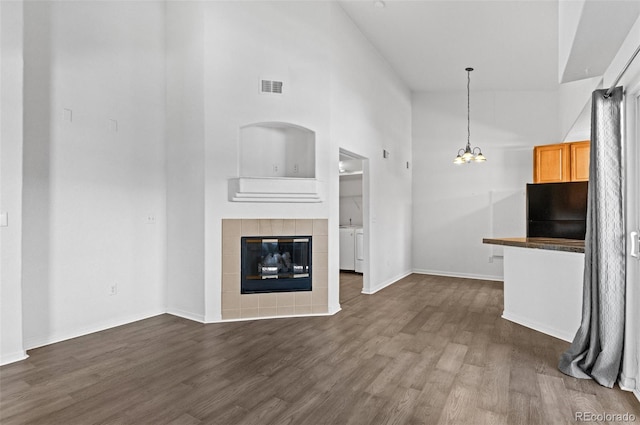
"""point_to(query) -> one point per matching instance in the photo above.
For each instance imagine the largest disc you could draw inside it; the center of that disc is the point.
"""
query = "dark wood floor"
(350, 286)
(426, 350)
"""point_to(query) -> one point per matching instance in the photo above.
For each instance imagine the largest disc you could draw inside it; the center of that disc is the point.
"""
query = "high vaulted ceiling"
(513, 45)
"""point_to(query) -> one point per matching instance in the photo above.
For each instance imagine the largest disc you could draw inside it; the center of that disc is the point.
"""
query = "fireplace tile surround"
(241, 306)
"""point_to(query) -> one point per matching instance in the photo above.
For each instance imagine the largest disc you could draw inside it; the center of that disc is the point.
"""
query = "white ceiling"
(513, 45)
(602, 28)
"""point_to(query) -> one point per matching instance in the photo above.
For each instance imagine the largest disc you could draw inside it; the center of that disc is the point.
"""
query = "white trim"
(289, 316)
(213, 318)
(186, 315)
(627, 383)
(334, 309)
(461, 275)
(387, 283)
(531, 324)
(42, 340)
(13, 357)
(274, 189)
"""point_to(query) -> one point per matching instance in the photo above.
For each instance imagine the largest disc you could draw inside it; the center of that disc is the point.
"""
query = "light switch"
(68, 115)
(113, 125)
(4, 219)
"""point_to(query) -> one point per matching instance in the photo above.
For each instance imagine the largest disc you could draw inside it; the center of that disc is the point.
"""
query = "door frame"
(630, 379)
(366, 215)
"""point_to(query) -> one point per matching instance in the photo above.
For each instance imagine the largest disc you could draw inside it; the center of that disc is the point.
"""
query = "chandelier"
(469, 154)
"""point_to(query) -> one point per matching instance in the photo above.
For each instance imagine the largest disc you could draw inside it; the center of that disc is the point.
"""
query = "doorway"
(632, 152)
(354, 233)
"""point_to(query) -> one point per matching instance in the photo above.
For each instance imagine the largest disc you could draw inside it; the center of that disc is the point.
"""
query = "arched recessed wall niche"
(277, 149)
(277, 163)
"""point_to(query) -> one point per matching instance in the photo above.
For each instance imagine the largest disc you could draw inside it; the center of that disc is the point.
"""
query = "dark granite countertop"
(552, 244)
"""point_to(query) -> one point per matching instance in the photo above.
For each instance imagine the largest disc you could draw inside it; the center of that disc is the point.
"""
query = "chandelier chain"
(467, 154)
(468, 108)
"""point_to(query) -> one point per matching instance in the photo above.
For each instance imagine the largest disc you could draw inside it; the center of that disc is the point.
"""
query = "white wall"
(575, 108)
(276, 150)
(185, 158)
(569, 13)
(452, 207)
(93, 166)
(543, 290)
(371, 111)
(11, 137)
(351, 200)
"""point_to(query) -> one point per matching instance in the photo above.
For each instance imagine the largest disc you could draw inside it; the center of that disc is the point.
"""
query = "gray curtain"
(596, 351)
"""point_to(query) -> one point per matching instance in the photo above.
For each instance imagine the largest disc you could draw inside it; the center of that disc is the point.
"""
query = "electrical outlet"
(275, 168)
(113, 289)
(491, 258)
(296, 169)
(67, 115)
(151, 219)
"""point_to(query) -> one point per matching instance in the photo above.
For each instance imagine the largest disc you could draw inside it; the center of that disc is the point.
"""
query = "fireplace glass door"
(276, 264)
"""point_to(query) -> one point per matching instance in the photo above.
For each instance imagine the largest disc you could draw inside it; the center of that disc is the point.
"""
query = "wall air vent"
(270, 86)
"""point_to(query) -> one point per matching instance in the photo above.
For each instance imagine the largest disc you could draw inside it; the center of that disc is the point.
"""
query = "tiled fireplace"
(236, 305)
(275, 264)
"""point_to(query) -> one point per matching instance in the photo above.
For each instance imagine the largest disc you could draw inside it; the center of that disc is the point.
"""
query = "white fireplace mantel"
(273, 189)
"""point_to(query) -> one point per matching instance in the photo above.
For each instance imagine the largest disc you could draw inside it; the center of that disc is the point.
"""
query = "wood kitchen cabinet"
(561, 162)
(551, 163)
(579, 156)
